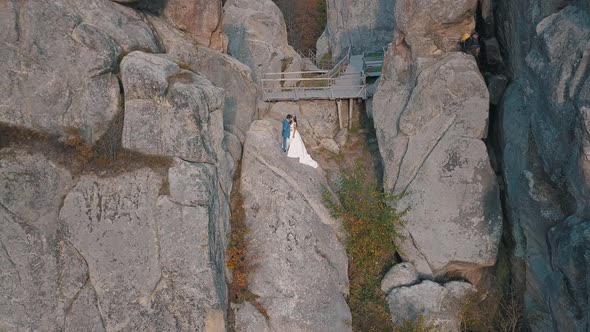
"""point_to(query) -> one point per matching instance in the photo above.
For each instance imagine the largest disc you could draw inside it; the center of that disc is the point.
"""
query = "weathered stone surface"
(224, 71)
(402, 274)
(231, 143)
(438, 304)
(41, 273)
(170, 111)
(151, 261)
(496, 86)
(58, 75)
(341, 137)
(202, 19)
(258, 37)
(366, 25)
(330, 145)
(543, 123)
(433, 28)
(291, 234)
(317, 120)
(430, 130)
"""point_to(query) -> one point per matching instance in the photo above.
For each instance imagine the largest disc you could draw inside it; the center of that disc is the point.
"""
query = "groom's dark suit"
(286, 133)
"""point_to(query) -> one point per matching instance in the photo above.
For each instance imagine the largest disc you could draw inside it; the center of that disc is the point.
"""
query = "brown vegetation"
(305, 20)
(371, 227)
(105, 158)
(236, 257)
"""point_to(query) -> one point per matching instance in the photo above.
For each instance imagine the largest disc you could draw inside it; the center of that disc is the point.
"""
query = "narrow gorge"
(143, 186)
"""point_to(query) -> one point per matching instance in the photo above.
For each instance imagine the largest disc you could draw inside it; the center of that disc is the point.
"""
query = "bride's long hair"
(295, 119)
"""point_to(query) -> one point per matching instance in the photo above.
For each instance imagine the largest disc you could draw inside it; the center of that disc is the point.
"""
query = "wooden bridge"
(346, 80)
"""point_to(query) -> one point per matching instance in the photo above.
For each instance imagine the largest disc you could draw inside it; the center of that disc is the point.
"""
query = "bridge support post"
(339, 107)
(350, 114)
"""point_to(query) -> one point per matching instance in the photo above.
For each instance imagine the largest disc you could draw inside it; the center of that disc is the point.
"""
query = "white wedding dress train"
(297, 150)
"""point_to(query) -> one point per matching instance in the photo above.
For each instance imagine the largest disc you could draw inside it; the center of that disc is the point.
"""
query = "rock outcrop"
(139, 248)
(162, 115)
(202, 19)
(258, 37)
(59, 74)
(301, 267)
(543, 136)
(431, 112)
(439, 305)
(224, 71)
(364, 25)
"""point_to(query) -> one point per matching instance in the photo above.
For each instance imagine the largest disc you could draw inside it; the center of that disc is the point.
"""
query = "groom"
(286, 131)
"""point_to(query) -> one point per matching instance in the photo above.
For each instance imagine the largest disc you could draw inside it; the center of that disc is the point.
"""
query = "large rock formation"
(301, 267)
(138, 249)
(224, 71)
(431, 116)
(364, 25)
(543, 133)
(431, 111)
(58, 74)
(258, 37)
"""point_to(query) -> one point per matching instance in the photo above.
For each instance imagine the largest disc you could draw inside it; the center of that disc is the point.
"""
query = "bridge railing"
(347, 85)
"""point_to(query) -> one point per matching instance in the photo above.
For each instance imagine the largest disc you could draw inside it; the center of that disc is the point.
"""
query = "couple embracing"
(293, 144)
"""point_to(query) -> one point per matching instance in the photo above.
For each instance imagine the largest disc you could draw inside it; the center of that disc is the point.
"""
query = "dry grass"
(237, 257)
(371, 227)
(106, 158)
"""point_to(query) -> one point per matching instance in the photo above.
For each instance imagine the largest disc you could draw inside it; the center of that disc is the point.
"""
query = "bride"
(297, 148)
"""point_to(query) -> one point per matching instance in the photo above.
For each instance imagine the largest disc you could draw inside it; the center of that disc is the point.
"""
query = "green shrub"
(371, 226)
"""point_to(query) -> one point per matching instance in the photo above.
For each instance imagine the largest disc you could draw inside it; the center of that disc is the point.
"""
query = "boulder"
(224, 71)
(170, 111)
(402, 274)
(439, 305)
(430, 130)
(329, 144)
(58, 76)
(365, 25)
(258, 37)
(341, 137)
(202, 19)
(291, 233)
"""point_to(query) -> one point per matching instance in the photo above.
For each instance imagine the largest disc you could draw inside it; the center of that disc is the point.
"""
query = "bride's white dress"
(297, 150)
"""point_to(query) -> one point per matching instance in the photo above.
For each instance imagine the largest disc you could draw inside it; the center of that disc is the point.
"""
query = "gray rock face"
(151, 259)
(430, 130)
(318, 120)
(543, 123)
(433, 27)
(402, 274)
(170, 111)
(224, 71)
(258, 37)
(202, 19)
(41, 272)
(48, 89)
(438, 304)
(366, 25)
(301, 267)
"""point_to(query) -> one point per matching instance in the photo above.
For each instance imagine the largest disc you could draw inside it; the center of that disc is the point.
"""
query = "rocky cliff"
(363, 25)
(542, 130)
(94, 241)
